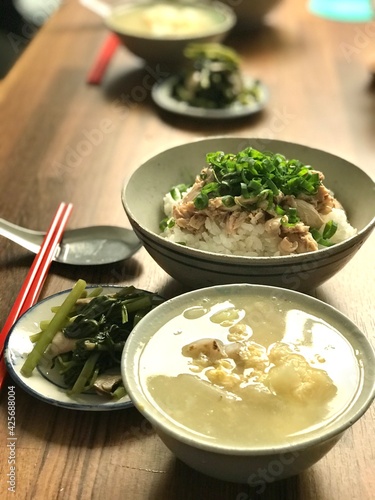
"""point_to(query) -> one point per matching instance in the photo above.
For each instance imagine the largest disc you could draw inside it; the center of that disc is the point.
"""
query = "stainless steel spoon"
(86, 246)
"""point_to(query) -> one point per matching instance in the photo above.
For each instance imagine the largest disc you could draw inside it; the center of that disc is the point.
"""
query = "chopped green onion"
(250, 172)
(166, 223)
(228, 201)
(177, 191)
(329, 229)
(272, 186)
(244, 191)
(279, 210)
(255, 185)
(201, 201)
(210, 188)
(319, 238)
(292, 216)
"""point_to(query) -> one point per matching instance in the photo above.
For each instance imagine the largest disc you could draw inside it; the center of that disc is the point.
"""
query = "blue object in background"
(343, 10)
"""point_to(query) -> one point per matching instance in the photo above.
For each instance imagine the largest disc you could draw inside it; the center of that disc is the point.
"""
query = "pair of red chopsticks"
(32, 286)
(96, 73)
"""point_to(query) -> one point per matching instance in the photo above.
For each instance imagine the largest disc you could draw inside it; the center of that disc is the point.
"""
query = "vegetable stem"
(56, 323)
(119, 393)
(86, 374)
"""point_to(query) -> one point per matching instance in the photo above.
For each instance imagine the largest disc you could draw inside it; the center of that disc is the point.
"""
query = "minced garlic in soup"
(249, 373)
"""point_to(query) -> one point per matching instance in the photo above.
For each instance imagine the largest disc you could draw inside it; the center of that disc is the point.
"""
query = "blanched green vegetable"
(101, 328)
(212, 78)
(57, 322)
(97, 328)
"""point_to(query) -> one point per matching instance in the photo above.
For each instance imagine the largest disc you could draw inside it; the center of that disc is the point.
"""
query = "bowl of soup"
(159, 30)
(236, 378)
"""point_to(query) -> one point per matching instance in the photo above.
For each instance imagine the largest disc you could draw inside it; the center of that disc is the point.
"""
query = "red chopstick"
(35, 278)
(96, 73)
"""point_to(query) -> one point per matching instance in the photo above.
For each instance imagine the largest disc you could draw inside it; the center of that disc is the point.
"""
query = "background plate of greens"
(162, 95)
(46, 383)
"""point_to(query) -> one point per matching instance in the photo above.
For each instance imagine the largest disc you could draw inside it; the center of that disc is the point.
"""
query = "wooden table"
(63, 140)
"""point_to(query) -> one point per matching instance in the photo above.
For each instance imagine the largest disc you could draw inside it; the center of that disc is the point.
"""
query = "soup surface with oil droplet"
(249, 373)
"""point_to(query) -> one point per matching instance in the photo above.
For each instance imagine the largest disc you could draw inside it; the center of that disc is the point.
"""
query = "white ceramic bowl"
(197, 268)
(164, 47)
(242, 463)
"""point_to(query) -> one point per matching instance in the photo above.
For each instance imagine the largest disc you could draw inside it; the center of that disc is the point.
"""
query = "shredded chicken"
(286, 246)
(323, 200)
(59, 345)
(234, 221)
(203, 178)
(305, 211)
(272, 226)
(295, 239)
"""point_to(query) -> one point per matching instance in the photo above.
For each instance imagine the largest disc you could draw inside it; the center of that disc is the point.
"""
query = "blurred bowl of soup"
(241, 378)
(159, 30)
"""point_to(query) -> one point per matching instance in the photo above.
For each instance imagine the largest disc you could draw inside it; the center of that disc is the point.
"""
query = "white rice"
(344, 229)
(250, 239)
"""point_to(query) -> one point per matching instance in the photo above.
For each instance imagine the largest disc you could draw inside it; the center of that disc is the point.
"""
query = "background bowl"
(242, 464)
(168, 49)
(251, 13)
(197, 268)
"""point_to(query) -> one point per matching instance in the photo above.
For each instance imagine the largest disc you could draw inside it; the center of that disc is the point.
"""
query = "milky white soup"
(246, 372)
(165, 20)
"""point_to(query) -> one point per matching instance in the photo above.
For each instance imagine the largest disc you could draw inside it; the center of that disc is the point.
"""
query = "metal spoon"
(86, 246)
